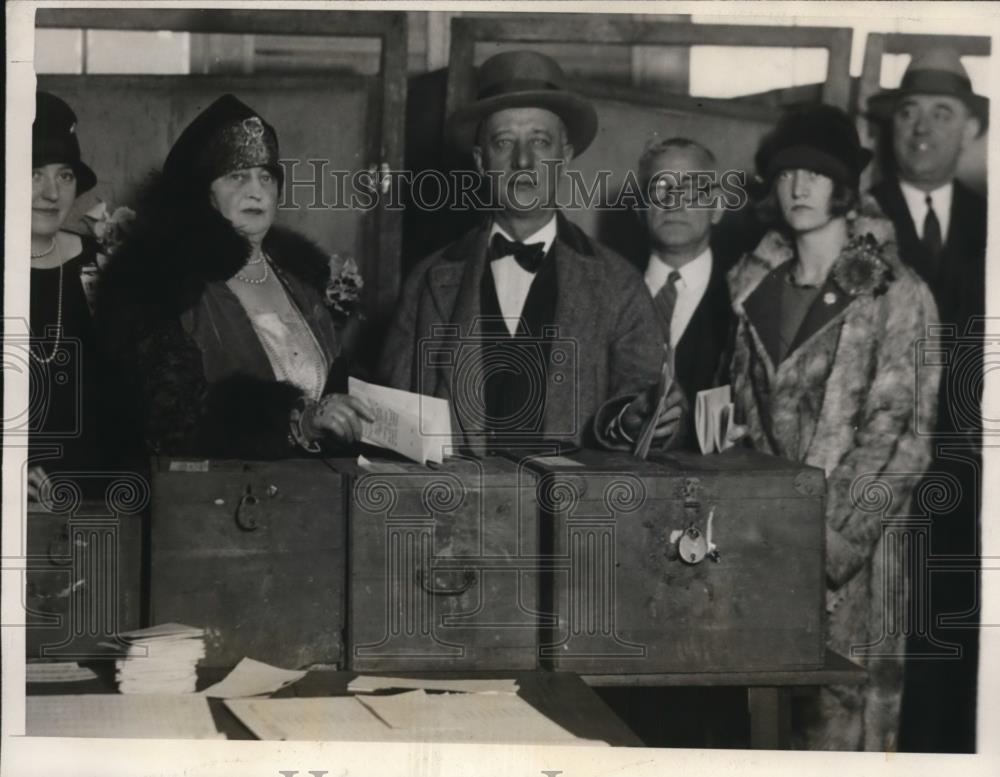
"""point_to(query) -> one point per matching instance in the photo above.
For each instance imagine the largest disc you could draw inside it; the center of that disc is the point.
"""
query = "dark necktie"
(932, 232)
(665, 301)
(529, 256)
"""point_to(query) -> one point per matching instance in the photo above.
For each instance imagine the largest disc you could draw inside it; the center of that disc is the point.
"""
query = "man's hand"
(634, 416)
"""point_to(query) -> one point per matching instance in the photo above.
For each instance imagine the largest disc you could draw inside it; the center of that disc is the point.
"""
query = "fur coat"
(159, 294)
(852, 398)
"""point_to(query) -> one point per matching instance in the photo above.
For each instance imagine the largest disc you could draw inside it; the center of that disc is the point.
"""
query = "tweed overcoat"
(853, 398)
(606, 342)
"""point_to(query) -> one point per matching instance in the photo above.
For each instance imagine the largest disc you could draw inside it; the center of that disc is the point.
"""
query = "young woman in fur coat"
(216, 320)
(825, 372)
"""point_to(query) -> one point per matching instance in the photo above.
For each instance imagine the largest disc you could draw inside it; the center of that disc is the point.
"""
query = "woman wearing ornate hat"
(824, 372)
(63, 380)
(215, 318)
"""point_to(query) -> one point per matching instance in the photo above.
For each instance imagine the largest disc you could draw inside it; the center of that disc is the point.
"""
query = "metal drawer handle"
(468, 580)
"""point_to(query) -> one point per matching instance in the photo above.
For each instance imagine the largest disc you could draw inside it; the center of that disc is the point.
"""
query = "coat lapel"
(759, 309)
(828, 305)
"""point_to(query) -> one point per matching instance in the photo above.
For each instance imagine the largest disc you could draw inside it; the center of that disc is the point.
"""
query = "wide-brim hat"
(524, 79)
(228, 135)
(817, 137)
(936, 71)
(54, 139)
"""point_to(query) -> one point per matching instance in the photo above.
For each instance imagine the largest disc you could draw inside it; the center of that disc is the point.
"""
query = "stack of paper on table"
(113, 716)
(414, 425)
(161, 659)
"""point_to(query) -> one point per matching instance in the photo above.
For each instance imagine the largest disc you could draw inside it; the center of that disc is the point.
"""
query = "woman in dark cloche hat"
(824, 372)
(62, 414)
(216, 320)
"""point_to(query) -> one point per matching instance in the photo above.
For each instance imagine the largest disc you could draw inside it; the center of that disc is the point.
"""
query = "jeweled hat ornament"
(228, 135)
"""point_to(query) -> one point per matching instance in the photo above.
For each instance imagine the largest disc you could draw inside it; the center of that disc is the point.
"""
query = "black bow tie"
(529, 256)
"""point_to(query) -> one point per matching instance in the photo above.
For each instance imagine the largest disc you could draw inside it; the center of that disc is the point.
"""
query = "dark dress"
(63, 418)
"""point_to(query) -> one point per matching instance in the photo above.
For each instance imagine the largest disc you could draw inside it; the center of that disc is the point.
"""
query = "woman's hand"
(38, 483)
(340, 415)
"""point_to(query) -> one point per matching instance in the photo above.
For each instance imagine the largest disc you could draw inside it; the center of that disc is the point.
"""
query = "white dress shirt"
(512, 281)
(690, 288)
(916, 203)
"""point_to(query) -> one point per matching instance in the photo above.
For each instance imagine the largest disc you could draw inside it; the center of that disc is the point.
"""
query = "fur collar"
(179, 243)
(868, 262)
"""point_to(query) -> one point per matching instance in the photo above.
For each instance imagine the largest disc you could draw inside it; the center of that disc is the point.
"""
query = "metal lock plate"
(692, 546)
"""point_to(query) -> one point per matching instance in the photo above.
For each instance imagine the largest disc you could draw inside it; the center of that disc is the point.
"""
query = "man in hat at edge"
(525, 324)
(941, 230)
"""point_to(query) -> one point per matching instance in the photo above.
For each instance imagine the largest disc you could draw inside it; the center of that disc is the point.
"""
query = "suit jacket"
(606, 344)
(701, 356)
(959, 284)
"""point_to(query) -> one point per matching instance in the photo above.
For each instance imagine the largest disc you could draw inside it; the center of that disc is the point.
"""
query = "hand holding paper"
(415, 425)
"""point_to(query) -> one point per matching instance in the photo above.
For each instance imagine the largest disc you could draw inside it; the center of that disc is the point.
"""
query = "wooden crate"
(625, 600)
(443, 567)
(83, 584)
(254, 553)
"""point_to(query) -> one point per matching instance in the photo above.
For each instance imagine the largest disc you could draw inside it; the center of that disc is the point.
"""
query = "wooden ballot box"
(444, 566)
(83, 564)
(253, 552)
(685, 564)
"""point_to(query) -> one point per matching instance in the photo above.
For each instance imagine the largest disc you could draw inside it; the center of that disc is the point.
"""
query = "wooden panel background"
(128, 123)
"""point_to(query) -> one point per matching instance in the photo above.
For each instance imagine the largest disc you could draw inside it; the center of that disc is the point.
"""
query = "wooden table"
(768, 693)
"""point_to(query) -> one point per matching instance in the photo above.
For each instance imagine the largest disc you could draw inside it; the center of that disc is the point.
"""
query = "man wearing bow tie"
(525, 324)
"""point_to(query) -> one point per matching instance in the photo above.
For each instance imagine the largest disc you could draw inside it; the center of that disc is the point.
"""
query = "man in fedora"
(525, 324)
(941, 229)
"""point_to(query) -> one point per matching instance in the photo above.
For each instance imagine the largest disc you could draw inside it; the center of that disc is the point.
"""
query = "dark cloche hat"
(54, 140)
(228, 135)
(524, 79)
(818, 137)
(936, 71)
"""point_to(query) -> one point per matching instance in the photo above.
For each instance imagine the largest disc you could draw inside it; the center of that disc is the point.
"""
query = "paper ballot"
(415, 425)
(713, 418)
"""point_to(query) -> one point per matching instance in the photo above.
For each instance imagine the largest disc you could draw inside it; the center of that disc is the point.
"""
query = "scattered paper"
(713, 417)
(57, 672)
(320, 719)
(414, 425)
(252, 678)
(382, 467)
(557, 461)
(370, 683)
(113, 716)
(468, 717)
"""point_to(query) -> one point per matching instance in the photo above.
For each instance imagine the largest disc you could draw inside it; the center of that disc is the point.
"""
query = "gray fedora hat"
(523, 79)
(936, 71)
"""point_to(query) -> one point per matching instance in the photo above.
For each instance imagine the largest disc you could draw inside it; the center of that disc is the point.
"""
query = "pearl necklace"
(59, 314)
(46, 252)
(261, 279)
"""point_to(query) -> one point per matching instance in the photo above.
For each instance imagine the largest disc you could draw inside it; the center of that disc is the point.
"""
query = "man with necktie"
(941, 228)
(525, 324)
(686, 271)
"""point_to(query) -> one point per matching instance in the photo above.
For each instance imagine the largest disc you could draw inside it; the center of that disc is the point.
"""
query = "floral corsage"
(343, 291)
(862, 268)
(110, 229)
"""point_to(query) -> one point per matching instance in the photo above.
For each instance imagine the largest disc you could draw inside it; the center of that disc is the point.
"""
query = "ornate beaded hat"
(228, 135)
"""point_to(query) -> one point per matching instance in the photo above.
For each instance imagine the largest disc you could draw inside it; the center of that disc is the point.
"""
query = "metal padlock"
(692, 547)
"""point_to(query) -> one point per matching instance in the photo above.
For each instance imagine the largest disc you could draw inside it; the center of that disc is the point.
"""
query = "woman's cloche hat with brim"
(936, 71)
(523, 79)
(228, 135)
(821, 138)
(54, 140)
